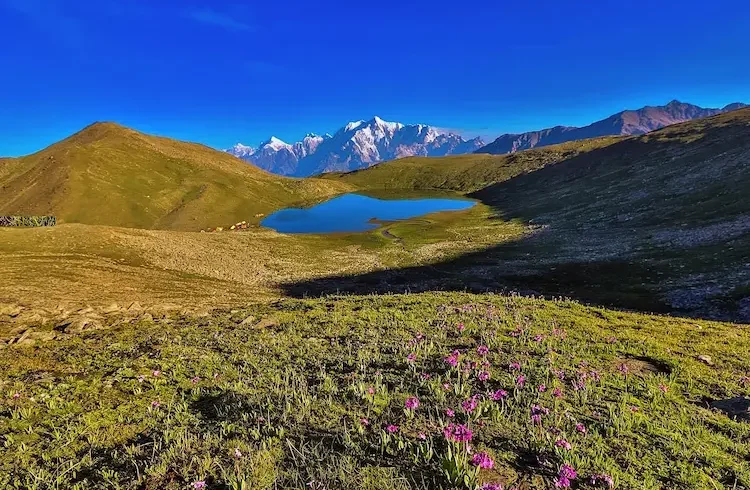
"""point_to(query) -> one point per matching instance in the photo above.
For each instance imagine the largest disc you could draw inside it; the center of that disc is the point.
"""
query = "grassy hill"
(108, 174)
(463, 173)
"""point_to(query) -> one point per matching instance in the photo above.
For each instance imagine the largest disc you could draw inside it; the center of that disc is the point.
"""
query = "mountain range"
(359, 144)
(625, 123)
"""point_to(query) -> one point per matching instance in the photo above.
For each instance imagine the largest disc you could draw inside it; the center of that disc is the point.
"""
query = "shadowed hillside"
(658, 222)
(109, 174)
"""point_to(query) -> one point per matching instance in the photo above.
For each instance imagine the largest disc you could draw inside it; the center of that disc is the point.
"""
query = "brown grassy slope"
(111, 175)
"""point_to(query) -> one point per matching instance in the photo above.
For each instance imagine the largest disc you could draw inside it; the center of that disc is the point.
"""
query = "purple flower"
(538, 338)
(411, 403)
(155, 404)
(411, 357)
(515, 366)
(521, 380)
(422, 436)
(542, 388)
(461, 327)
(392, 429)
(452, 358)
(491, 486)
(199, 484)
(499, 395)
(566, 474)
(581, 428)
(156, 373)
(426, 376)
(563, 444)
(483, 376)
(483, 350)
(536, 419)
(16, 396)
(624, 369)
(457, 433)
(364, 422)
(606, 479)
(450, 413)
(557, 393)
(470, 405)
(482, 460)
(195, 380)
(370, 390)
(664, 388)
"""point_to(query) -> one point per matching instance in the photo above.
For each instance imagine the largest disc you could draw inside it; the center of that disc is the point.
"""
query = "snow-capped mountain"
(357, 145)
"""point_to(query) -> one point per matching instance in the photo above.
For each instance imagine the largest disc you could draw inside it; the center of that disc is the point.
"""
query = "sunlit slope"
(108, 174)
(464, 173)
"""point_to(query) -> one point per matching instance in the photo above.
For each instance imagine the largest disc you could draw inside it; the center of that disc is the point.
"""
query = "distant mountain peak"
(625, 123)
(357, 145)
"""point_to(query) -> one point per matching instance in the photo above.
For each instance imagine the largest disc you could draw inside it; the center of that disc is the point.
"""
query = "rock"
(737, 408)
(135, 306)
(266, 323)
(248, 321)
(10, 310)
(706, 360)
(147, 317)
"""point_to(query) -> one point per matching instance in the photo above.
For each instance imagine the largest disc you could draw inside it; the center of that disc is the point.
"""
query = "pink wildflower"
(538, 338)
(195, 380)
(557, 393)
(370, 390)
(447, 386)
(452, 359)
(499, 395)
(664, 388)
(606, 479)
(521, 380)
(199, 484)
(491, 486)
(156, 373)
(16, 396)
(563, 444)
(542, 388)
(411, 357)
(457, 433)
(470, 405)
(450, 413)
(411, 403)
(624, 369)
(392, 428)
(581, 428)
(141, 378)
(565, 475)
(364, 422)
(461, 327)
(482, 460)
(426, 376)
(237, 453)
(422, 436)
(515, 366)
(483, 350)
(155, 404)
(483, 376)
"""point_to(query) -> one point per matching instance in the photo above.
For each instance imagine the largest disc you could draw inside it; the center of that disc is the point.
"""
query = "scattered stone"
(737, 408)
(147, 317)
(267, 323)
(135, 306)
(706, 360)
(248, 321)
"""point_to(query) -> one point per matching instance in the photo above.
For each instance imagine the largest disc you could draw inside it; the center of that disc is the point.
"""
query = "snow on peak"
(393, 126)
(275, 143)
(353, 125)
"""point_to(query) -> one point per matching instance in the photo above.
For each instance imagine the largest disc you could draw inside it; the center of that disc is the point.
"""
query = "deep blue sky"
(222, 71)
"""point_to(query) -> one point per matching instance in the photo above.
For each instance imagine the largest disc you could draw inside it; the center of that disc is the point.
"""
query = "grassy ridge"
(111, 175)
(463, 173)
(302, 393)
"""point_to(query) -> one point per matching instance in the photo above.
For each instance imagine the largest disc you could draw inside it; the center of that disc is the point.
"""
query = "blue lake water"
(355, 212)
